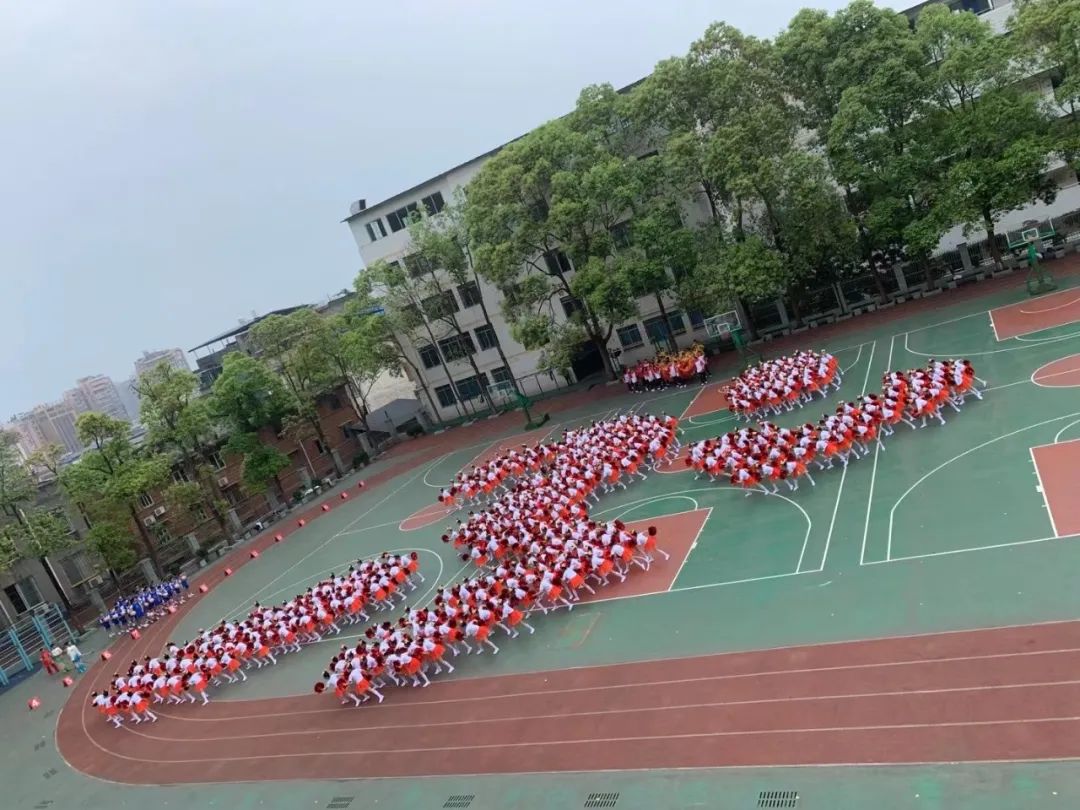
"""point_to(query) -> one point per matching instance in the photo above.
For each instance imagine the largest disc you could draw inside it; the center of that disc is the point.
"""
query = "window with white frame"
(445, 395)
(486, 337)
(629, 336)
(145, 499)
(429, 356)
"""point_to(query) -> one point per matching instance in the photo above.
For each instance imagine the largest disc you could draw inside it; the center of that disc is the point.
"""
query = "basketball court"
(912, 614)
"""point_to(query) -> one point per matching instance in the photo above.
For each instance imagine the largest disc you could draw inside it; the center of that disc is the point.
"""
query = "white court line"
(873, 480)
(1057, 436)
(713, 704)
(690, 550)
(1068, 303)
(1027, 345)
(333, 537)
(1055, 374)
(843, 473)
(970, 549)
(854, 362)
(993, 325)
(1042, 492)
(938, 468)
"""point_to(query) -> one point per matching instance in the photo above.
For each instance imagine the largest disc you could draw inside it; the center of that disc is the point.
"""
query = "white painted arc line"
(854, 362)
(1068, 303)
(1058, 435)
(332, 538)
(892, 512)
(1055, 374)
(873, 480)
(608, 712)
(1042, 493)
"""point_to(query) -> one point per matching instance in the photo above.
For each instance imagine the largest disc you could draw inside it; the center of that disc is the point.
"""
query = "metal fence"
(20, 644)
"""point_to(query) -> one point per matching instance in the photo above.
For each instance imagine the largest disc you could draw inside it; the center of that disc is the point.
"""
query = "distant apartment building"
(130, 397)
(102, 397)
(46, 425)
(173, 357)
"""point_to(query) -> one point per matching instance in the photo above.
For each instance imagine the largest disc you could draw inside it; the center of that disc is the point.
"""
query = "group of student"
(679, 369)
(220, 655)
(782, 383)
(144, 607)
(758, 459)
(536, 549)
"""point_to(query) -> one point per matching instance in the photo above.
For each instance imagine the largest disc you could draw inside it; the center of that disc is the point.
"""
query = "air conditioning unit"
(95, 582)
(223, 481)
(159, 511)
(149, 520)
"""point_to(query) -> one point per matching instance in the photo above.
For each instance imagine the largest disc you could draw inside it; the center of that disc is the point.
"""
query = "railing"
(20, 644)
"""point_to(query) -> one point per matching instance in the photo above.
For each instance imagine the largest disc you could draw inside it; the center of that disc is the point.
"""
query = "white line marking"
(1042, 492)
(1068, 303)
(873, 480)
(892, 512)
(972, 548)
(1027, 345)
(1057, 436)
(1035, 373)
(690, 550)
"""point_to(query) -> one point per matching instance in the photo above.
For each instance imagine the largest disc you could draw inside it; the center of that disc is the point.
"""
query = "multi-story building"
(381, 233)
(130, 397)
(173, 357)
(102, 397)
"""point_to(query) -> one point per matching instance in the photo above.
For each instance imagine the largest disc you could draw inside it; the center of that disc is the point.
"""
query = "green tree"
(1047, 33)
(991, 137)
(181, 424)
(394, 328)
(283, 341)
(262, 463)
(441, 244)
(109, 477)
(248, 395)
(539, 218)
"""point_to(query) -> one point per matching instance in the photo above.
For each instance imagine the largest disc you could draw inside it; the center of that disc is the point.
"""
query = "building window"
(333, 402)
(376, 230)
(457, 347)
(655, 330)
(198, 511)
(320, 448)
(471, 387)
(77, 568)
(557, 263)
(232, 495)
(145, 500)
(180, 476)
(24, 595)
(975, 6)
(470, 294)
(440, 305)
(697, 320)
(399, 220)
(429, 356)
(445, 395)
(486, 337)
(629, 336)
(501, 375)
(433, 203)
(216, 461)
(620, 235)
(417, 266)
(570, 305)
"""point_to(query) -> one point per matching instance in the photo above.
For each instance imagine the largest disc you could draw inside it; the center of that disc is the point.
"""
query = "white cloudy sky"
(170, 167)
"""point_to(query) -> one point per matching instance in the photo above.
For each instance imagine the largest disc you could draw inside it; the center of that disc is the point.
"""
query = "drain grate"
(44, 804)
(778, 798)
(602, 800)
(340, 802)
(459, 800)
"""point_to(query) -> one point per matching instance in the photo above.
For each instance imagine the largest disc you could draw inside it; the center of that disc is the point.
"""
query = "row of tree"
(752, 169)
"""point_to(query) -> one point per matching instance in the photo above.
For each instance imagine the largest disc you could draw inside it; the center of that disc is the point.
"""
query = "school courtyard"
(903, 634)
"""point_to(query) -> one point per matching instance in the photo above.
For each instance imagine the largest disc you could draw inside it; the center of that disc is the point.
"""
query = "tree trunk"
(423, 384)
(148, 544)
(668, 337)
(317, 426)
(995, 251)
(498, 345)
(210, 493)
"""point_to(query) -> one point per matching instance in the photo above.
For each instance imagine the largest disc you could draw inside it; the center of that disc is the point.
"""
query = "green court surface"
(946, 529)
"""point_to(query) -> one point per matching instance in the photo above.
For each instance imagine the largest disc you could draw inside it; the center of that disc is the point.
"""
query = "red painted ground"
(432, 513)
(1056, 465)
(708, 400)
(678, 463)
(1046, 311)
(990, 695)
(1061, 373)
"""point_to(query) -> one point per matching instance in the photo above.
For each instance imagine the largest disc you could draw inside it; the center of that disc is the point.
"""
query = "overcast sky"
(171, 167)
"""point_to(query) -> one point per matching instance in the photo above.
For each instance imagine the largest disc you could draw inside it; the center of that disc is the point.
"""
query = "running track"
(998, 694)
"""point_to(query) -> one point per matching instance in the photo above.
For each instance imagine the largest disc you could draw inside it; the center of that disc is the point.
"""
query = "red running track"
(987, 695)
